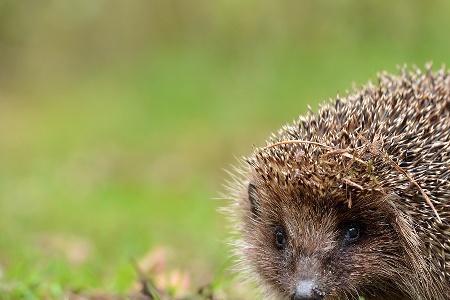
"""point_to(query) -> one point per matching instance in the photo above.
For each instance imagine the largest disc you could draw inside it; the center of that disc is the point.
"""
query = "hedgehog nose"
(306, 290)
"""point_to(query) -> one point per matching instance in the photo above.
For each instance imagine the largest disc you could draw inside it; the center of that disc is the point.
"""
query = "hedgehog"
(352, 201)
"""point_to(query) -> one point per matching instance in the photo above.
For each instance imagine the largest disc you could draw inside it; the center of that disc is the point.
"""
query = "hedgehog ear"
(254, 200)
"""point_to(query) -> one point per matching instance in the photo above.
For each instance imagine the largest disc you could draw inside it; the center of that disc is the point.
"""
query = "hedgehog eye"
(280, 238)
(352, 233)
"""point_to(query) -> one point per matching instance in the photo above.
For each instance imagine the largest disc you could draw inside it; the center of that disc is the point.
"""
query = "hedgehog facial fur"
(319, 241)
(354, 200)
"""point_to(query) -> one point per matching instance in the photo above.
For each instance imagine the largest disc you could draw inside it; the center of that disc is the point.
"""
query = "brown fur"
(379, 158)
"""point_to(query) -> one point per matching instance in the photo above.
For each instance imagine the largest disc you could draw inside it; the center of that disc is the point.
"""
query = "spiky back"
(393, 137)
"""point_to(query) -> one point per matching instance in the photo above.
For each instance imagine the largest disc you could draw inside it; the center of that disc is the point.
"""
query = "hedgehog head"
(317, 227)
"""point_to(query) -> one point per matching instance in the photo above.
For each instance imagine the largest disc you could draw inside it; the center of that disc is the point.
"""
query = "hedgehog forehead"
(313, 191)
(310, 173)
(293, 178)
(297, 163)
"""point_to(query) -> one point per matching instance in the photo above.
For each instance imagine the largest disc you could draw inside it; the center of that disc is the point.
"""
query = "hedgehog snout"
(306, 285)
(307, 290)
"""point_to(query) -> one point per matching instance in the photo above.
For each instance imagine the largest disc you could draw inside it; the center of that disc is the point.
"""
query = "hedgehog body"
(355, 199)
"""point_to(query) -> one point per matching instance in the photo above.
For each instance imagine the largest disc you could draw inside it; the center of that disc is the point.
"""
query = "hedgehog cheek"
(253, 200)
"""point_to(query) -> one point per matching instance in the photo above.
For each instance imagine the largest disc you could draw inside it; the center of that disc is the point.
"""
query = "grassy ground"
(123, 163)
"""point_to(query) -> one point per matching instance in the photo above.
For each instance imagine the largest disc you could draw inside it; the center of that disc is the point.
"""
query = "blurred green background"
(117, 119)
